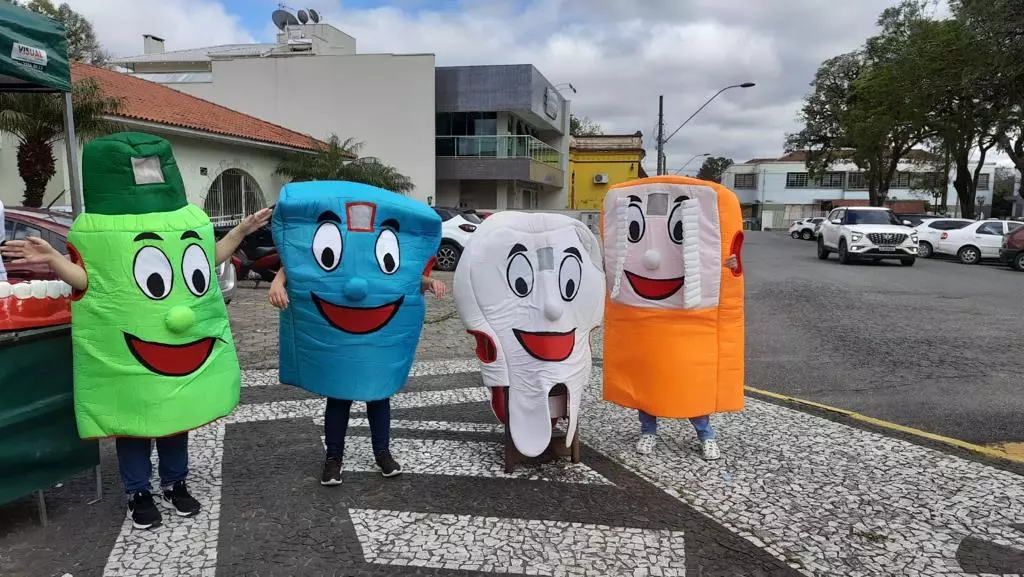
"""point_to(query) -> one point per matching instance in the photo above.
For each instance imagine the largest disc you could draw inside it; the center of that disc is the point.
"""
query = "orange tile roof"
(151, 102)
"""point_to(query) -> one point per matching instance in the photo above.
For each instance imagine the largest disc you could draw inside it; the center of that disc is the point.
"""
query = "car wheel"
(908, 261)
(822, 251)
(1018, 263)
(448, 257)
(807, 235)
(969, 255)
(844, 253)
(795, 235)
(925, 250)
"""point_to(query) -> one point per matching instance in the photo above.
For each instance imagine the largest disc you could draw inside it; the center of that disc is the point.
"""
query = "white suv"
(867, 233)
(457, 227)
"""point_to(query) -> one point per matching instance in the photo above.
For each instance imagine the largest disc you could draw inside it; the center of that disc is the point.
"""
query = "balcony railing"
(506, 146)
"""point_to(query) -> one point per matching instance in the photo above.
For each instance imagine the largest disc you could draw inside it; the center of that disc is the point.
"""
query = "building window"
(900, 180)
(832, 180)
(748, 180)
(234, 195)
(926, 180)
(856, 181)
(796, 180)
(983, 181)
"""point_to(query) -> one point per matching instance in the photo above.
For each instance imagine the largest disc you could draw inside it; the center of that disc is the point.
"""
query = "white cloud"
(619, 55)
(120, 24)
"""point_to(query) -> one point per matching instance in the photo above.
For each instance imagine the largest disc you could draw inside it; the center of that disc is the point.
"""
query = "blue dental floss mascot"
(354, 259)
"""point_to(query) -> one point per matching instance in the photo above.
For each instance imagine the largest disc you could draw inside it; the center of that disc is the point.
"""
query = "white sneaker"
(645, 446)
(710, 451)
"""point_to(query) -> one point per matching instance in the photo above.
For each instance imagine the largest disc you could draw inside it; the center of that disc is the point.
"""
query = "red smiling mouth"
(547, 346)
(654, 289)
(171, 360)
(357, 320)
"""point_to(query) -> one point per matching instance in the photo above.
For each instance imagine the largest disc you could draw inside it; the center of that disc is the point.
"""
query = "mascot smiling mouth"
(357, 320)
(654, 289)
(171, 360)
(547, 346)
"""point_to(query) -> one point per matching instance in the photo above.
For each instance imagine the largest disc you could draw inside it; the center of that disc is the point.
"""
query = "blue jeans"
(649, 426)
(336, 425)
(137, 469)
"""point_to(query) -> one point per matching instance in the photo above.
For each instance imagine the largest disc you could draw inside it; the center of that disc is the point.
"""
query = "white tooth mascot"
(530, 288)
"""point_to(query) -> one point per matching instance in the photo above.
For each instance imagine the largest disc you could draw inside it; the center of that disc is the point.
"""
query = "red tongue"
(551, 347)
(171, 360)
(653, 288)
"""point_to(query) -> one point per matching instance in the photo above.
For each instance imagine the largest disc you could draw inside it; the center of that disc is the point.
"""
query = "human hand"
(254, 222)
(731, 263)
(278, 295)
(30, 250)
(437, 287)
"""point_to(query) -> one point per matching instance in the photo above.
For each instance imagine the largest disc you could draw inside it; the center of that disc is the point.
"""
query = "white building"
(312, 81)
(779, 190)
(473, 136)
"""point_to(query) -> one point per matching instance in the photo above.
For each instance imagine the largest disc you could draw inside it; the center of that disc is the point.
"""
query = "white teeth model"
(37, 289)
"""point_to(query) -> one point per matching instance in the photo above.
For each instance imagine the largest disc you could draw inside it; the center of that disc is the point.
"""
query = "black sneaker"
(387, 464)
(332, 472)
(142, 509)
(180, 500)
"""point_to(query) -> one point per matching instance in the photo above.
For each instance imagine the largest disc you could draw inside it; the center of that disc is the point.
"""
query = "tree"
(338, 160)
(583, 126)
(82, 43)
(37, 121)
(713, 168)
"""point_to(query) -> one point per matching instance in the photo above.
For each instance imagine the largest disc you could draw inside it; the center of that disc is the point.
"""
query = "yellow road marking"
(1007, 451)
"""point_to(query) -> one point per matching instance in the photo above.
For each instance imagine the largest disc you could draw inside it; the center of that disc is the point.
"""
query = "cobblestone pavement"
(795, 493)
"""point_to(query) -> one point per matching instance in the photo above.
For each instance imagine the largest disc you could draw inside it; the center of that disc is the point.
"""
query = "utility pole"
(661, 135)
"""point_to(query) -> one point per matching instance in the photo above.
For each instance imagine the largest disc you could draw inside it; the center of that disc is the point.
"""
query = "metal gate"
(233, 196)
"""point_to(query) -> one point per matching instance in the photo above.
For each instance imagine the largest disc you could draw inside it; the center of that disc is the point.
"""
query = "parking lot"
(936, 346)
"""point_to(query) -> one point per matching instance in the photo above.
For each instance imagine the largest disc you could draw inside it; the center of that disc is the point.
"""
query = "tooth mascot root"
(529, 288)
(673, 343)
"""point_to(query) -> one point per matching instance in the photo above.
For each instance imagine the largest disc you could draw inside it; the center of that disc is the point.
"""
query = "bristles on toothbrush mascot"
(674, 314)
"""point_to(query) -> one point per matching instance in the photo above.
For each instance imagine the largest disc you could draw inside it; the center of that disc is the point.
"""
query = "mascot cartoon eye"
(388, 257)
(520, 275)
(569, 275)
(153, 273)
(637, 225)
(327, 246)
(675, 221)
(195, 268)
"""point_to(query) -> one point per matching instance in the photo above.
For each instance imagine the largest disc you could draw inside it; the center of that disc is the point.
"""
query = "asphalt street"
(937, 346)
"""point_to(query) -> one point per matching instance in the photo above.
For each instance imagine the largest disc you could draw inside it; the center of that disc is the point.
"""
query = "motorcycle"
(256, 258)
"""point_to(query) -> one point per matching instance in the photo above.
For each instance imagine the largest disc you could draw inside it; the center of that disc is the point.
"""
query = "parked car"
(805, 228)
(53, 226)
(457, 226)
(1012, 252)
(930, 230)
(915, 219)
(978, 241)
(867, 233)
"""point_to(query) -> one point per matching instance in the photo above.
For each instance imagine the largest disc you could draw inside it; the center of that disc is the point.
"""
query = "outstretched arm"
(229, 244)
(435, 286)
(36, 250)
(278, 292)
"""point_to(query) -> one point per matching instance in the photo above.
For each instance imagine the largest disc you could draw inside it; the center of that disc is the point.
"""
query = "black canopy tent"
(34, 58)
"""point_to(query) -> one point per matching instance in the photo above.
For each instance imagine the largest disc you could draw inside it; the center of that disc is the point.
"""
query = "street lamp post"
(663, 141)
(695, 157)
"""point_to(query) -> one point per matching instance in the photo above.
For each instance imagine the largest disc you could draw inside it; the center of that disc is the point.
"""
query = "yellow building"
(598, 162)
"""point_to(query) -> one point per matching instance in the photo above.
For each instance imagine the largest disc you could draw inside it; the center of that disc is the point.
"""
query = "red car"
(1012, 252)
(50, 225)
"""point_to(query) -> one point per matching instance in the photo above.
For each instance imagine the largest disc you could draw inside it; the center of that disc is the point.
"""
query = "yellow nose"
(180, 319)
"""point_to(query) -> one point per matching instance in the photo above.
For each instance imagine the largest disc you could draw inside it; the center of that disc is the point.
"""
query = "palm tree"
(338, 160)
(37, 121)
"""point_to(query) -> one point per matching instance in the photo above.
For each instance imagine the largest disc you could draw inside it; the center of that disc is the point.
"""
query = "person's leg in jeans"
(335, 428)
(706, 435)
(173, 468)
(379, 415)
(136, 469)
(648, 430)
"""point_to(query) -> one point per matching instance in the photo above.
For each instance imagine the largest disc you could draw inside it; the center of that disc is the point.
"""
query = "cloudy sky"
(619, 54)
